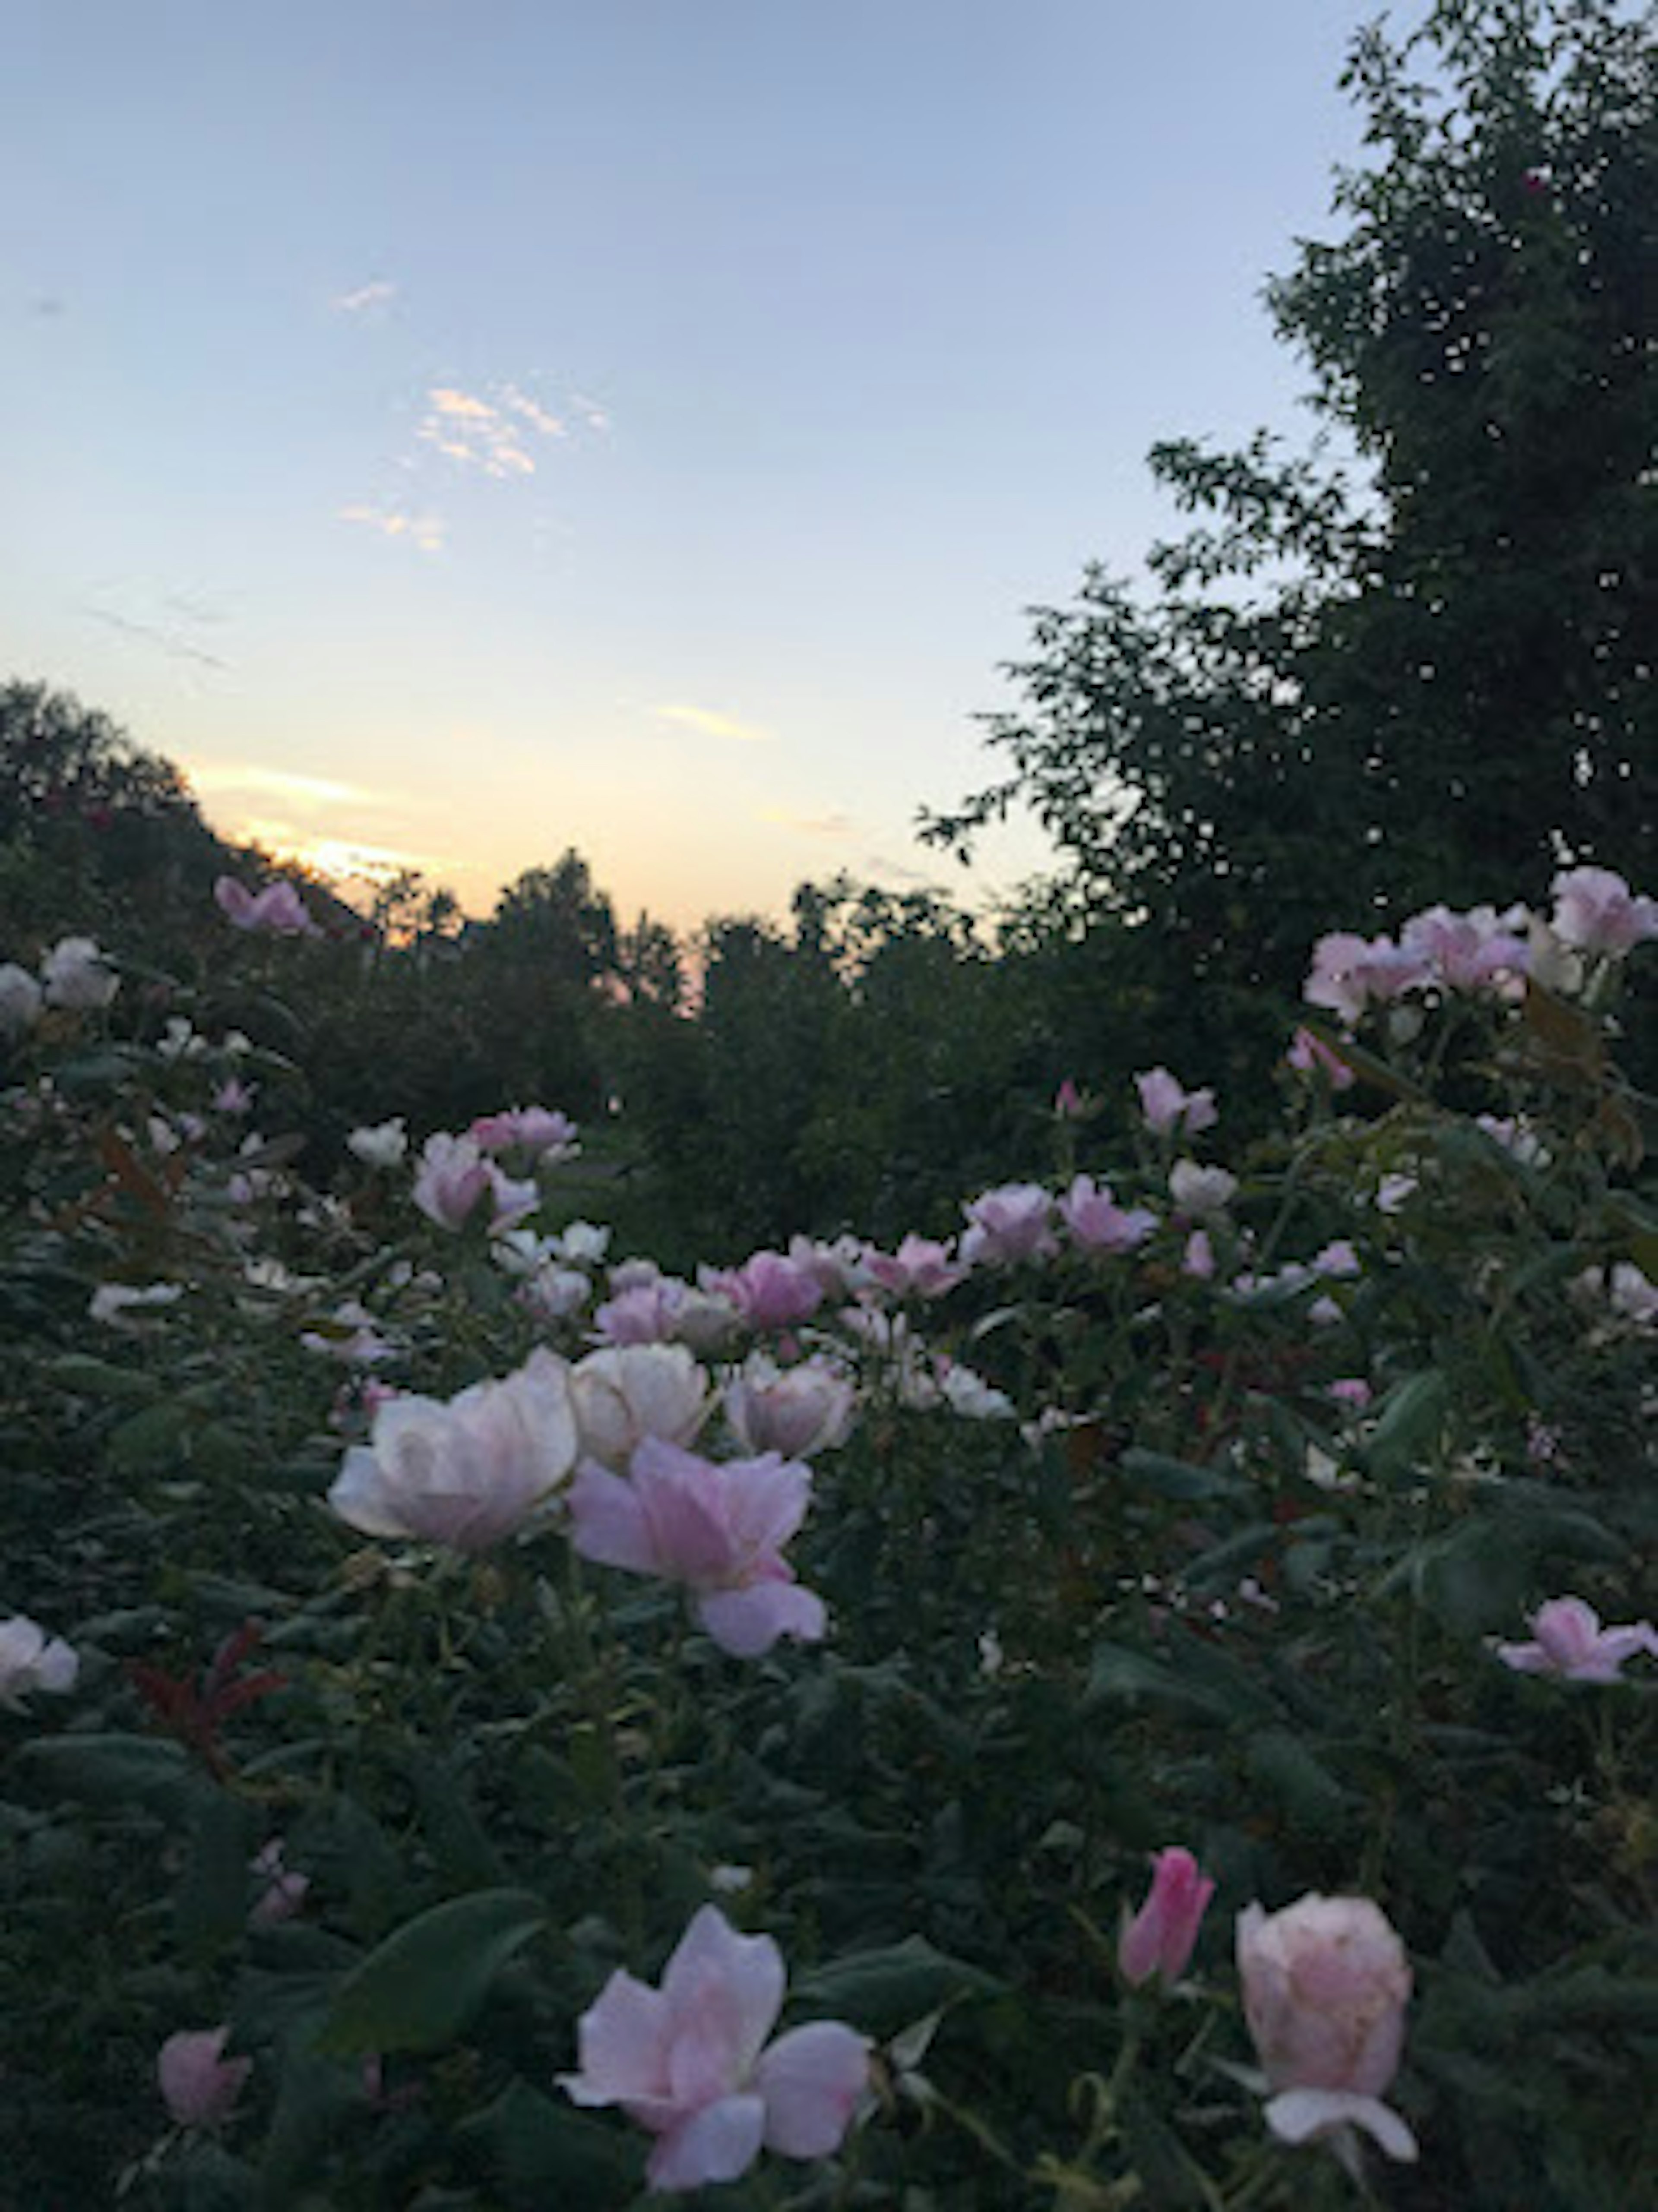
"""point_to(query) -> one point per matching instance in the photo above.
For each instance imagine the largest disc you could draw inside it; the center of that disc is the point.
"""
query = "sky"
(456, 430)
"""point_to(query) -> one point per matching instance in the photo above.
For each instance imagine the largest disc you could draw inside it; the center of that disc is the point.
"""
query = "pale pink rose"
(797, 1410)
(1325, 1984)
(642, 1313)
(1201, 1193)
(1098, 1224)
(1348, 972)
(1161, 1937)
(691, 2064)
(626, 1393)
(1166, 1106)
(536, 1129)
(20, 999)
(718, 1529)
(1571, 1643)
(1010, 1223)
(453, 1176)
(1197, 1260)
(199, 2085)
(467, 1473)
(769, 1291)
(1469, 951)
(276, 911)
(31, 1660)
(76, 975)
(921, 1267)
(1595, 911)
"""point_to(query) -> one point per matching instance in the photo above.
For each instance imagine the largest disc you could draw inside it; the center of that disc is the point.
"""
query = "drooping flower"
(1571, 1643)
(76, 975)
(467, 1473)
(31, 1660)
(718, 1529)
(1161, 1937)
(1166, 1105)
(1325, 1983)
(199, 2085)
(690, 2061)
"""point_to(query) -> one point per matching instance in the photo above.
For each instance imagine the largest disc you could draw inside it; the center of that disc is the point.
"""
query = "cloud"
(279, 783)
(834, 824)
(424, 530)
(475, 434)
(379, 293)
(712, 725)
(344, 859)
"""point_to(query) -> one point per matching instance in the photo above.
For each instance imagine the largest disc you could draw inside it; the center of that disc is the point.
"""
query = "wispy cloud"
(424, 530)
(279, 783)
(712, 725)
(492, 435)
(834, 824)
(165, 640)
(378, 294)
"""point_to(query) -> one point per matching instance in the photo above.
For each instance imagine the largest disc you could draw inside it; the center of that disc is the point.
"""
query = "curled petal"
(746, 1622)
(1299, 2115)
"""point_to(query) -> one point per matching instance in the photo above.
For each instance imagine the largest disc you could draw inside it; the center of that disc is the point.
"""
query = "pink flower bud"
(1159, 1940)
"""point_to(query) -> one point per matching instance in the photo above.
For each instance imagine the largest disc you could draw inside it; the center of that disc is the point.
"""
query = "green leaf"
(420, 1986)
(211, 1904)
(535, 2145)
(87, 1377)
(1178, 1479)
(884, 1990)
(114, 1769)
(1408, 1427)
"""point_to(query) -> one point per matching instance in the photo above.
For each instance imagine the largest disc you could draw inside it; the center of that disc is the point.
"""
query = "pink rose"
(690, 2061)
(1325, 1983)
(1572, 1644)
(1166, 1106)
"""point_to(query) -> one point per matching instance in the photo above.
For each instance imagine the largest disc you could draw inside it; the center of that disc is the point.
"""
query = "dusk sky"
(455, 432)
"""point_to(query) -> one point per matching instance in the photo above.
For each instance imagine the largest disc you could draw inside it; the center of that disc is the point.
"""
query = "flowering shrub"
(888, 1609)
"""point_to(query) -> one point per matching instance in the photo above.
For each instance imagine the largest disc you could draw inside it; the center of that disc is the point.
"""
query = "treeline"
(1349, 691)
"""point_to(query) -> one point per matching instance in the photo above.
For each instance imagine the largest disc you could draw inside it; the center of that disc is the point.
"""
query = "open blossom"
(382, 1146)
(1595, 911)
(769, 1291)
(276, 911)
(1161, 1937)
(1098, 1224)
(1350, 972)
(690, 2061)
(1325, 1983)
(797, 1410)
(1007, 1223)
(920, 1267)
(31, 1660)
(1201, 1193)
(453, 1175)
(467, 1473)
(1571, 1643)
(76, 975)
(641, 1313)
(1166, 1106)
(628, 1391)
(20, 999)
(537, 1129)
(1469, 951)
(198, 2083)
(718, 1529)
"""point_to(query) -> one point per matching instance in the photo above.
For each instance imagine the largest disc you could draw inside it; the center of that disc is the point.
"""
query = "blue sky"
(460, 431)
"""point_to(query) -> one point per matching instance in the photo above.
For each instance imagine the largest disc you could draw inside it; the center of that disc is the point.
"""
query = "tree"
(1344, 699)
